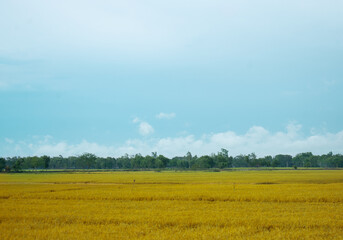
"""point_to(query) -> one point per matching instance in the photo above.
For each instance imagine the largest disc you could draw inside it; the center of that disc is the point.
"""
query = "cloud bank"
(257, 139)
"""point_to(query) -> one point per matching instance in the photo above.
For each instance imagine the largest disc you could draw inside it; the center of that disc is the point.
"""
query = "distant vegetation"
(220, 160)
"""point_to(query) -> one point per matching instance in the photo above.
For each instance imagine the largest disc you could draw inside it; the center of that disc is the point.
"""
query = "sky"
(116, 77)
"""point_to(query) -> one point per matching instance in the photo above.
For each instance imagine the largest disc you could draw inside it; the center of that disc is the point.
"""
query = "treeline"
(220, 160)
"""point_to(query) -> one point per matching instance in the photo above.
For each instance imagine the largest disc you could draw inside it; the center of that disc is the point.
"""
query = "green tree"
(205, 162)
(335, 161)
(137, 161)
(149, 162)
(284, 160)
(189, 158)
(2, 164)
(46, 161)
(300, 159)
(266, 161)
(88, 160)
(222, 159)
(311, 161)
(17, 166)
(36, 162)
(240, 161)
(164, 160)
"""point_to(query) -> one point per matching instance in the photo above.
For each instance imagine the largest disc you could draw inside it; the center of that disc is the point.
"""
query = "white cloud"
(165, 115)
(8, 140)
(257, 139)
(145, 129)
(42, 139)
(62, 148)
(136, 120)
(135, 28)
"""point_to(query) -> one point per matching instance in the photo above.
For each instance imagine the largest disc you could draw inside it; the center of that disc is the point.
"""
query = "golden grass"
(173, 205)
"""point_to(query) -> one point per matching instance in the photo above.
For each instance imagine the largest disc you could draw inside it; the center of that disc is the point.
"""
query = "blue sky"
(112, 77)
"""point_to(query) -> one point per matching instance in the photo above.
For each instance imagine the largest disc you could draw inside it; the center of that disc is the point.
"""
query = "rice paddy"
(285, 204)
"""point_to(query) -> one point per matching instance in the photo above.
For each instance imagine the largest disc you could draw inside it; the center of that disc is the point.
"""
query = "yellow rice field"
(285, 204)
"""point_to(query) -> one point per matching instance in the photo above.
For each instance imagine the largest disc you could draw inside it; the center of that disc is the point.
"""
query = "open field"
(285, 204)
